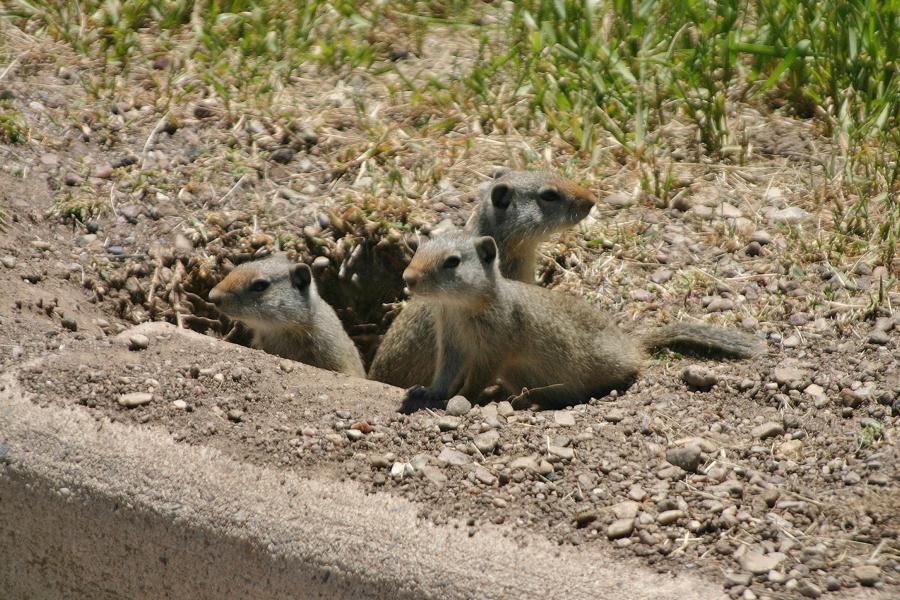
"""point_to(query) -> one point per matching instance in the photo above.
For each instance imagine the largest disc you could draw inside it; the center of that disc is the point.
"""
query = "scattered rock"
(626, 510)
(70, 324)
(761, 237)
(448, 423)
(505, 409)
(614, 415)
(434, 475)
(180, 404)
(637, 493)
(564, 417)
(135, 399)
(487, 442)
(688, 458)
(879, 337)
(458, 406)
(138, 341)
(564, 453)
(454, 457)
(585, 518)
(485, 476)
(670, 516)
(758, 563)
(767, 430)
(867, 575)
(8, 261)
(808, 589)
(620, 528)
(661, 276)
(235, 415)
(787, 375)
(699, 377)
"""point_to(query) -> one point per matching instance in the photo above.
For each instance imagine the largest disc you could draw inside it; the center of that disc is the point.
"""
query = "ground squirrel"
(278, 300)
(519, 209)
(558, 347)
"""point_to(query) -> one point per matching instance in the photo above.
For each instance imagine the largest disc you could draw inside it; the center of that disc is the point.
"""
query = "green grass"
(607, 76)
(12, 127)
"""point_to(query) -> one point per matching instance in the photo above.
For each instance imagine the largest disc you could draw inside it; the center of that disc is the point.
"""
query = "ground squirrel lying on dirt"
(558, 347)
(519, 209)
(278, 300)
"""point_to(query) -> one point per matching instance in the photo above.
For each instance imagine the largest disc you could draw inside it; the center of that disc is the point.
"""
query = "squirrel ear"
(300, 275)
(486, 248)
(500, 172)
(500, 194)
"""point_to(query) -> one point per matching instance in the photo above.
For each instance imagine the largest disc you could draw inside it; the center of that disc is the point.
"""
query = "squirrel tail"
(703, 338)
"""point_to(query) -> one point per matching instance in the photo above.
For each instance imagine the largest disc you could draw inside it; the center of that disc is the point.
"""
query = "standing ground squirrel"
(519, 209)
(558, 347)
(278, 300)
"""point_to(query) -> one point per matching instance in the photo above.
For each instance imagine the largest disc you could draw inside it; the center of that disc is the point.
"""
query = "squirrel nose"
(216, 296)
(411, 278)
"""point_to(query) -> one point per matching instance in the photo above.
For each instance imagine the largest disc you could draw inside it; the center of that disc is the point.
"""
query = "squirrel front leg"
(448, 377)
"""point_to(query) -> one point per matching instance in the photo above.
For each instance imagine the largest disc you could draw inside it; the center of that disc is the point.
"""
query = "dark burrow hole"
(357, 254)
(365, 291)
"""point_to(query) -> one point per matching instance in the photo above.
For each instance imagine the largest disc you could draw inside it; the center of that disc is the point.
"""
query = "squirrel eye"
(259, 285)
(452, 262)
(550, 195)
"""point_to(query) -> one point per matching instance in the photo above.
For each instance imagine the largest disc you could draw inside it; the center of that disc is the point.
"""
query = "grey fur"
(288, 318)
(406, 356)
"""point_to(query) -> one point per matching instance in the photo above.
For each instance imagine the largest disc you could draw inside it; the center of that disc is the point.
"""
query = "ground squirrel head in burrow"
(278, 300)
(521, 209)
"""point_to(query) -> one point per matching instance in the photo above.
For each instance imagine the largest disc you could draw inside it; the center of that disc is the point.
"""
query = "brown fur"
(519, 220)
(547, 348)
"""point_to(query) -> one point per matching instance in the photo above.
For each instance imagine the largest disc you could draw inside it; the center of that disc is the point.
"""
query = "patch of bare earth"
(780, 480)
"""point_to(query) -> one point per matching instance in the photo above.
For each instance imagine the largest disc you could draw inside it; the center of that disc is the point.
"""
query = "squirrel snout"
(216, 296)
(412, 278)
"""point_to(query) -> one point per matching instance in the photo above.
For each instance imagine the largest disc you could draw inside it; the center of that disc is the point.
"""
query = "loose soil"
(793, 461)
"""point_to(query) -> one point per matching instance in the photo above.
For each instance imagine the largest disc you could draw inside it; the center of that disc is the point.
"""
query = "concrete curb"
(116, 511)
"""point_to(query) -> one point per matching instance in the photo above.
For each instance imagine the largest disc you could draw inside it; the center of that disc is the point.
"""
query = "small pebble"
(620, 528)
(70, 324)
(687, 458)
(179, 404)
(135, 399)
(668, 517)
(879, 337)
(699, 377)
(867, 575)
(448, 423)
(564, 417)
(585, 518)
(767, 430)
(235, 415)
(458, 406)
(138, 341)
(486, 442)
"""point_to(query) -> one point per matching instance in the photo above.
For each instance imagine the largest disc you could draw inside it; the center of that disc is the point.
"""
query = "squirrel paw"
(419, 397)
